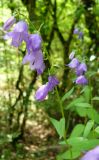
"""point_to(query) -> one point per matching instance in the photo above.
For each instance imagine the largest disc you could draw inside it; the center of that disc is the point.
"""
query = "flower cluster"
(92, 154)
(80, 69)
(33, 42)
(34, 54)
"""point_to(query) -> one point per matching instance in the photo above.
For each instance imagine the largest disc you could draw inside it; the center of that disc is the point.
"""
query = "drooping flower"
(9, 23)
(76, 31)
(81, 80)
(81, 69)
(74, 63)
(42, 92)
(36, 61)
(19, 33)
(34, 55)
(92, 154)
(34, 42)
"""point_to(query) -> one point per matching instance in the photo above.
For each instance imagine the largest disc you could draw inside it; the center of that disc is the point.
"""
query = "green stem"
(60, 103)
(62, 112)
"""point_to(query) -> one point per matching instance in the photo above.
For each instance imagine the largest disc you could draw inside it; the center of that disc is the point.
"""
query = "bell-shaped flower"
(19, 34)
(81, 69)
(81, 80)
(42, 92)
(34, 42)
(74, 63)
(92, 154)
(9, 23)
(36, 61)
(76, 31)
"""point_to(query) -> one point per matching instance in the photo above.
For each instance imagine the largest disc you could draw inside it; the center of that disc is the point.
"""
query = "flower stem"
(60, 103)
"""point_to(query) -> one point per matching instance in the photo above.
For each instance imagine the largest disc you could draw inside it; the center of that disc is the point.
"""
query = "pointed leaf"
(88, 128)
(59, 126)
(67, 95)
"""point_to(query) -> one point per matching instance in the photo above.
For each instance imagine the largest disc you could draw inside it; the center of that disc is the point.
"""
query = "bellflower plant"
(42, 92)
(92, 154)
(9, 23)
(19, 33)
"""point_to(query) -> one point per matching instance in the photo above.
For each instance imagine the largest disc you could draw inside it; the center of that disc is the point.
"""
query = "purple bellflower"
(36, 61)
(34, 42)
(74, 63)
(34, 55)
(9, 23)
(92, 154)
(19, 34)
(81, 69)
(76, 31)
(42, 92)
(81, 80)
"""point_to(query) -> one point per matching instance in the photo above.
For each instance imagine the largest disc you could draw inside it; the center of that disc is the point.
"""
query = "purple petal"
(81, 80)
(28, 58)
(8, 35)
(76, 31)
(92, 154)
(82, 68)
(38, 63)
(41, 70)
(21, 26)
(9, 23)
(52, 82)
(41, 93)
(74, 63)
(34, 42)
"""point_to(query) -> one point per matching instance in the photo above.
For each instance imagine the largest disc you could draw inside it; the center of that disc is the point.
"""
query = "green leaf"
(59, 126)
(88, 128)
(78, 130)
(87, 93)
(67, 95)
(74, 102)
(81, 143)
(82, 112)
(97, 129)
(85, 105)
(70, 154)
(93, 114)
